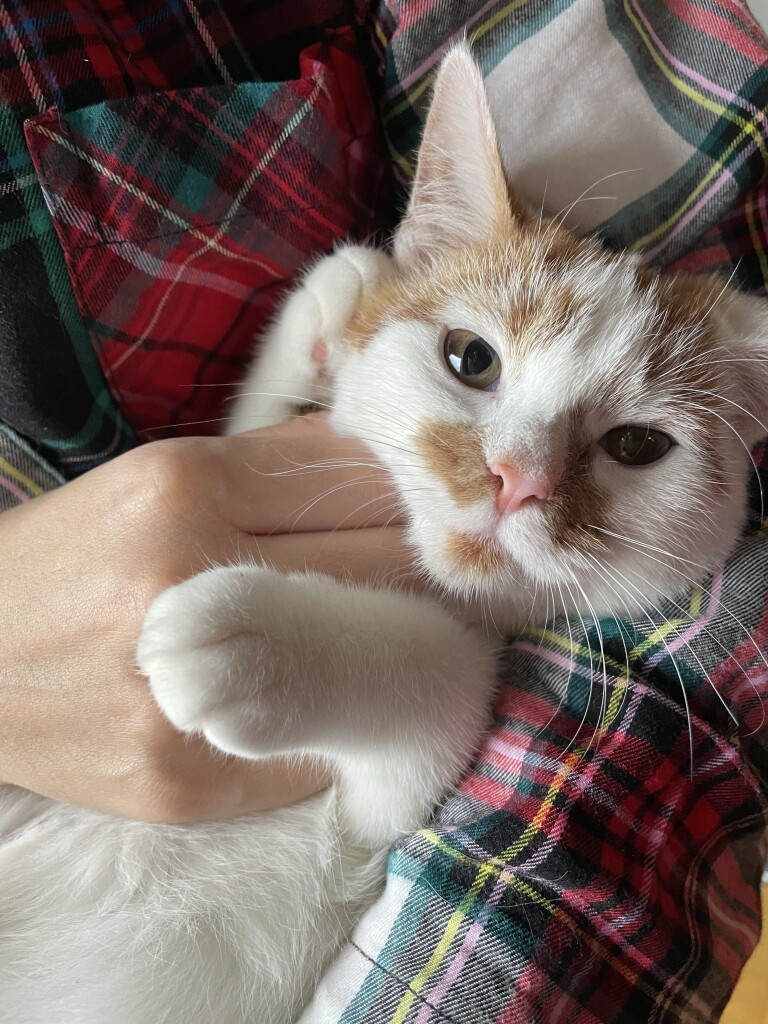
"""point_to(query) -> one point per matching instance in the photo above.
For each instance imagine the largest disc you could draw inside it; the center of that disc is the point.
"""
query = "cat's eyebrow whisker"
(724, 289)
(541, 208)
(730, 426)
(562, 214)
(736, 405)
(757, 357)
(704, 358)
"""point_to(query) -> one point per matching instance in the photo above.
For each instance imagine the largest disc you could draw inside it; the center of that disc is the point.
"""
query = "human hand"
(81, 565)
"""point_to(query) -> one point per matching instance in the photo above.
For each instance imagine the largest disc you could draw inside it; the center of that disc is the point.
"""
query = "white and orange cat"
(548, 411)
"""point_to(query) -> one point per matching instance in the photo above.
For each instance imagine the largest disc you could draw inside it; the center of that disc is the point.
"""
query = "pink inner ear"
(460, 193)
(319, 352)
(517, 490)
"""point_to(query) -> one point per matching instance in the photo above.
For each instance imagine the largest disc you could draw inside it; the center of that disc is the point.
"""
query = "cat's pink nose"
(516, 489)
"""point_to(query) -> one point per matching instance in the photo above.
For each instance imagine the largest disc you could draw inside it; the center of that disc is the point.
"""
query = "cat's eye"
(635, 445)
(472, 359)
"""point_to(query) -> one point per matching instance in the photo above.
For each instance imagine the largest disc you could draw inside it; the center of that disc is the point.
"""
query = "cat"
(548, 411)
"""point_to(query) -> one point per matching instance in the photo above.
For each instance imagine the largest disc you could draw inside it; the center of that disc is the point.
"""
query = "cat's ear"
(742, 322)
(459, 195)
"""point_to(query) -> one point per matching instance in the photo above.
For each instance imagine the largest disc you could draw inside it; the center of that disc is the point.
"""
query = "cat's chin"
(477, 569)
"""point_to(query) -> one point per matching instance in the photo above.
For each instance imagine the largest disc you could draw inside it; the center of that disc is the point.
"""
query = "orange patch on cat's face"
(395, 300)
(527, 252)
(473, 554)
(454, 454)
(534, 323)
(579, 508)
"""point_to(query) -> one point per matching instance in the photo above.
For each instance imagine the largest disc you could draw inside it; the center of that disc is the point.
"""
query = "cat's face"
(562, 424)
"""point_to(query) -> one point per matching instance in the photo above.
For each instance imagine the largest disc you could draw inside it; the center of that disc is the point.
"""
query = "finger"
(277, 482)
(379, 556)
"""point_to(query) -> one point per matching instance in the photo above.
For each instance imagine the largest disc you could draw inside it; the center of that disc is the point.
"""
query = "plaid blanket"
(164, 171)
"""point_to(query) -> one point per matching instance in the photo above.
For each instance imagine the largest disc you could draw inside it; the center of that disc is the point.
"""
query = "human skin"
(81, 565)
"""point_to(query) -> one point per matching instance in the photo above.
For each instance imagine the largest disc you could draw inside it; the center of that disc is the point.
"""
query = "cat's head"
(554, 415)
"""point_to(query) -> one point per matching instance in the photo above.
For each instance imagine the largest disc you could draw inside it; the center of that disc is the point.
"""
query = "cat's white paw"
(298, 352)
(205, 649)
(339, 282)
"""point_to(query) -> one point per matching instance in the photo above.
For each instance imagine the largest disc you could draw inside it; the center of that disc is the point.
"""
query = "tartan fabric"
(148, 85)
(24, 474)
(600, 861)
(701, 68)
(183, 214)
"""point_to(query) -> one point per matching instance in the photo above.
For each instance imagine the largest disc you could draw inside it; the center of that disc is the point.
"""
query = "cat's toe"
(339, 282)
(197, 655)
(189, 684)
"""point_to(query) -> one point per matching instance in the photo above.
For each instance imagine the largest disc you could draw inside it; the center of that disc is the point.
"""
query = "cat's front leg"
(387, 687)
(296, 353)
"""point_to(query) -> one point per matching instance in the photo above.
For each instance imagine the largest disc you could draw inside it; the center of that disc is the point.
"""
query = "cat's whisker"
(705, 590)
(314, 501)
(319, 466)
(656, 630)
(625, 683)
(686, 615)
(604, 694)
(575, 606)
(571, 651)
(645, 546)
(559, 217)
(541, 639)
(301, 400)
(499, 633)
(396, 507)
(186, 423)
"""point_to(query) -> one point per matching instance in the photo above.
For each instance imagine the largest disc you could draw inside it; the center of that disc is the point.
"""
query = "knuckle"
(170, 469)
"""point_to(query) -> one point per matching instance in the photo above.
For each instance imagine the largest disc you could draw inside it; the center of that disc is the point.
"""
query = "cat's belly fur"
(109, 920)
